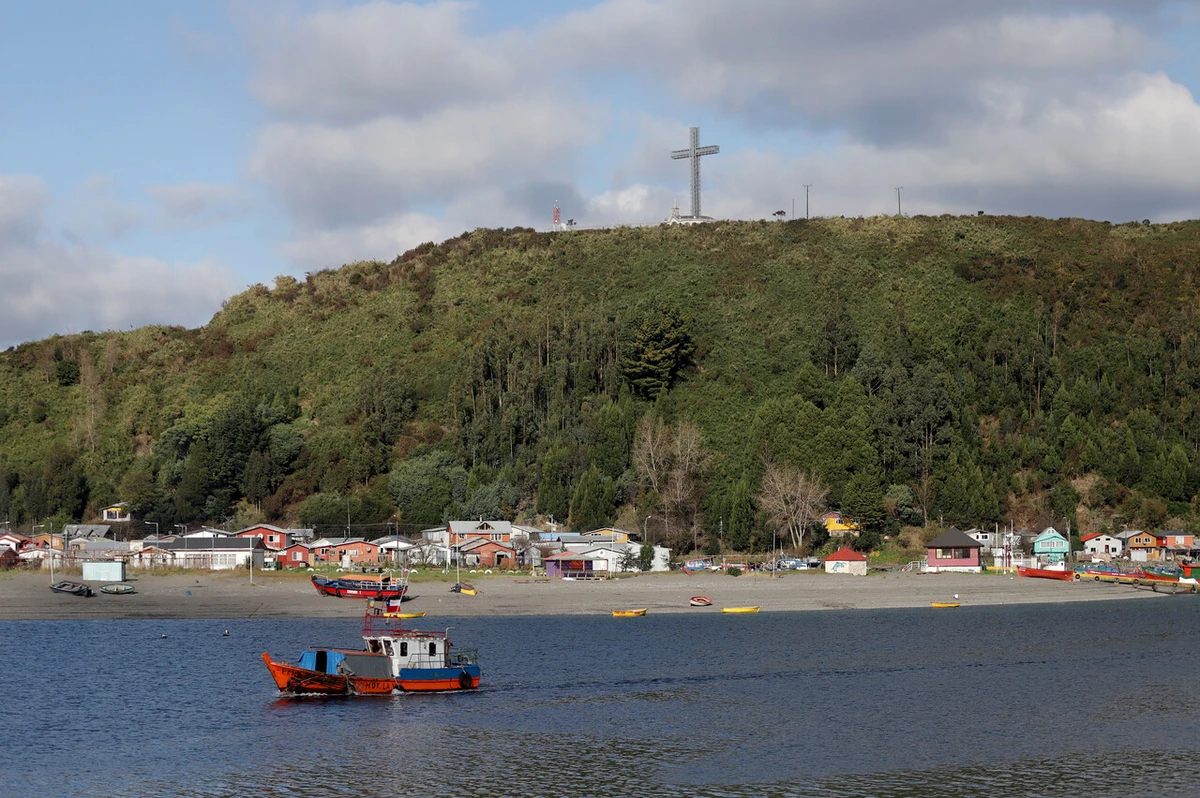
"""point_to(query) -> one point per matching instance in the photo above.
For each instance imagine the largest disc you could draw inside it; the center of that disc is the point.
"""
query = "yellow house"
(1143, 546)
(608, 533)
(840, 525)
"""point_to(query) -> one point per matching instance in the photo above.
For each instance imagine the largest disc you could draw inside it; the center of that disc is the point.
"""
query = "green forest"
(929, 370)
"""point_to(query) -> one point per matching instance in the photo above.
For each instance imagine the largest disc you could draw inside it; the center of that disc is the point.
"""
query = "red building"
(276, 539)
(297, 555)
(486, 553)
(953, 550)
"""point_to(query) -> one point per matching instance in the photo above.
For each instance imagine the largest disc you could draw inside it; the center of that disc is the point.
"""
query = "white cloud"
(51, 285)
(391, 124)
(197, 204)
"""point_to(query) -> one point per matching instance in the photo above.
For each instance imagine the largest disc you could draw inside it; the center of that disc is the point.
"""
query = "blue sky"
(159, 157)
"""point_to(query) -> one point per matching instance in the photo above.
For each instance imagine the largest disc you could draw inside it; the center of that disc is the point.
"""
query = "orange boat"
(394, 659)
(1060, 574)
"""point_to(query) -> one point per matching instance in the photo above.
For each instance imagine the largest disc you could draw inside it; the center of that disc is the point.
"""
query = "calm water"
(1054, 700)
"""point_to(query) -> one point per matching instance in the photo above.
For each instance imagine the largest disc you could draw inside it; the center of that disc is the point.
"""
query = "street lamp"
(155, 525)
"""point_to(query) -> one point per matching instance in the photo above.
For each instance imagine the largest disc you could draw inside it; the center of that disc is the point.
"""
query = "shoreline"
(25, 596)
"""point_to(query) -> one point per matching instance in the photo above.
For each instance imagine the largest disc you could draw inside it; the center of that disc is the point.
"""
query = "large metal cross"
(693, 152)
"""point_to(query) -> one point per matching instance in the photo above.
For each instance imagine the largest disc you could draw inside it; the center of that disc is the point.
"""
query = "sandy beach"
(26, 596)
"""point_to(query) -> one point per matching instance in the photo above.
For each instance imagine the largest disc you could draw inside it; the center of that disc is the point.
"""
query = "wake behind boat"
(364, 586)
(394, 660)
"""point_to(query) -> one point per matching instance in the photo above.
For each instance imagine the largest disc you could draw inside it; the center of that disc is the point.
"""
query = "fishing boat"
(394, 659)
(1061, 574)
(700, 601)
(117, 589)
(944, 604)
(1189, 573)
(363, 586)
(739, 609)
(629, 613)
(72, 588)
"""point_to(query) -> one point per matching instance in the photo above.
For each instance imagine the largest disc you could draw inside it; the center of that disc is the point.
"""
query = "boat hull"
(629, 613)
(700, 601)
(1046, 573)
(72, 588)
(117, 589)
(944, 604)
(295, 680)
(739, 610)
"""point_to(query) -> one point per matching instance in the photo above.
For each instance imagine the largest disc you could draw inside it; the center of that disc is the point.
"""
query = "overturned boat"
(394, 659)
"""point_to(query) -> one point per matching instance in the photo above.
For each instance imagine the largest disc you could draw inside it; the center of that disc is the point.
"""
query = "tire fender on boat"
(464, 680)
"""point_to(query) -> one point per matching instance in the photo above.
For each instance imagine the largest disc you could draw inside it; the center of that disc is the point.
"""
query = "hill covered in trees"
(971, 369)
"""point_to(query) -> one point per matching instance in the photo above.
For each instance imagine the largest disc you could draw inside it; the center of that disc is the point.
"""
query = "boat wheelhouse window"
(404, 648)
(387, 647)
(432, 649)
(373, 646)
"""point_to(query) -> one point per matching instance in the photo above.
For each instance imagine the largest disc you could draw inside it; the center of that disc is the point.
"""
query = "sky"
(157, 158)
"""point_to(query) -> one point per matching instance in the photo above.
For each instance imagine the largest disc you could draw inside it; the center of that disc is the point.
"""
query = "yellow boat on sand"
(739, 609)
(944, 604)
(629, 613)
(404, 615)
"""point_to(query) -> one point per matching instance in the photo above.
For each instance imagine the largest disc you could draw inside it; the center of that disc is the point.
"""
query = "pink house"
(297, 555)
(953, 550)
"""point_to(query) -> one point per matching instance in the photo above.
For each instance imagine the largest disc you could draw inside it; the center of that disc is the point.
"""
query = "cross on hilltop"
(693, 153)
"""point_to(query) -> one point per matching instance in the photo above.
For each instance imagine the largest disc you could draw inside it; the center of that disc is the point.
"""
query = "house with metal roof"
(953, 550)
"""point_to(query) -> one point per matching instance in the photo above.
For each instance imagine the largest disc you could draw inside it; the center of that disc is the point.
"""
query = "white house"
(1099, 543)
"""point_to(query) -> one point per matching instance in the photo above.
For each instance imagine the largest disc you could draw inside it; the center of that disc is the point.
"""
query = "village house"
(116, 513)
(1175, 543)
(275, 538)
(484, 553)
(839, 525)
(1050, 546)
(346, 552)
(953, 550)
(210, 552)
(297, 555)
(1142, 546)
(572, 565)
(846, 561)
(1099, 544)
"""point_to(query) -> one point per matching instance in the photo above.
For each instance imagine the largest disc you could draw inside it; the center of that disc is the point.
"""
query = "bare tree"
(792, 500)
(652, 452)
(923, 491)
(688, 463)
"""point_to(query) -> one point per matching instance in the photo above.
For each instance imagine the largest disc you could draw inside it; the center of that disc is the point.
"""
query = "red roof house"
(846, 561)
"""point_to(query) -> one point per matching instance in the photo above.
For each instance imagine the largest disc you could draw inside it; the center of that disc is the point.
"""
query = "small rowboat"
(73, 588)
(629, 613)
(944, 604)
(739, 609)
(700, 601)
(117, 589)
(463, 588)
(404, 615)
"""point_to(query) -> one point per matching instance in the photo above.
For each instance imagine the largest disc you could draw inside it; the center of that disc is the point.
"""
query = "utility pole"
(807, 186)
(898, 190)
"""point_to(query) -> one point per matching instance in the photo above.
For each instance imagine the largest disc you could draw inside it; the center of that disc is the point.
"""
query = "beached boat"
(363, 586)
(71, 588)
(1061, 574)
(944, 604)
(700, 601)
(1189, 573)
(463, 588)
(394, 659)
(629, 613)
(117, 589)
(404, 614)
(739, 609)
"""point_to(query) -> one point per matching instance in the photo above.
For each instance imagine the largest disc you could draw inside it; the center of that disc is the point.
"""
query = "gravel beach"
(26, 596)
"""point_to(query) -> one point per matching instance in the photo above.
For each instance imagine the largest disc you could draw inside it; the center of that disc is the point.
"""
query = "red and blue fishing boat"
(363, 586)
(392, 660)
